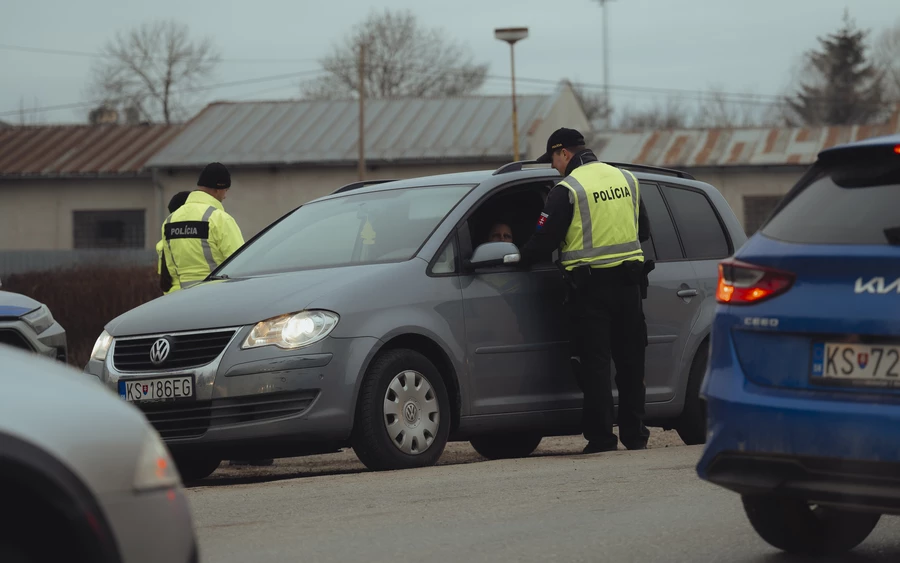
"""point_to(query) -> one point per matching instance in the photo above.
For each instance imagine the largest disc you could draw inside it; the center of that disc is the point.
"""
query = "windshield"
(384, 226)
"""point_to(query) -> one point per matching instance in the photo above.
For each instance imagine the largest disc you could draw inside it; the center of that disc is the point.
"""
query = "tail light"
(745, 284)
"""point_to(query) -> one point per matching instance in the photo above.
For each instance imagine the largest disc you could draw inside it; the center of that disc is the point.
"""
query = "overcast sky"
(739, 46)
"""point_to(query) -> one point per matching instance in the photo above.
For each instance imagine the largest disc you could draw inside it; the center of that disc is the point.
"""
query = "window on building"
(757, 209)
(699, 226)
(109, 229)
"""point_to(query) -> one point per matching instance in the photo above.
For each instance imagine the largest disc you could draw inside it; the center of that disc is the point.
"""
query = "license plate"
(157, 389)
(867, 364)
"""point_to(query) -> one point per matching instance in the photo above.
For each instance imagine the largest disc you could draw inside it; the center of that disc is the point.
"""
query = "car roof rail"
(648, 168)
(519, 164)
(362, 184)
(513, 166)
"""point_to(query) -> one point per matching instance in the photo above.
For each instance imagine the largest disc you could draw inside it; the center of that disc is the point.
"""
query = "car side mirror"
(492, 254)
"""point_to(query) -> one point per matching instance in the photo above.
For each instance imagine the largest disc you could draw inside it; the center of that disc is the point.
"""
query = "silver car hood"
(236, 302)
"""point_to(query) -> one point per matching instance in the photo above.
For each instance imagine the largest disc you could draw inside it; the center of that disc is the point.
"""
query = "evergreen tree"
(841, 85)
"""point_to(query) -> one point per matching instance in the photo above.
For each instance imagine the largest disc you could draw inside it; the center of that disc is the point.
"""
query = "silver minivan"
(381, 318)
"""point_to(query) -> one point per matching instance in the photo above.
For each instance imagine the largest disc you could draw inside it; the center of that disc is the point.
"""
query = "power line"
(94, 55)
(765, 100)
(78, 105)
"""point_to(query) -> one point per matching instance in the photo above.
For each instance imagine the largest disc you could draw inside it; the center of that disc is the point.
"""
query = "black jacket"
(557, 215)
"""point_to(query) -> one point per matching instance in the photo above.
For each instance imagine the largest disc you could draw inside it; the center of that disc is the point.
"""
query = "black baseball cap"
(562, 138)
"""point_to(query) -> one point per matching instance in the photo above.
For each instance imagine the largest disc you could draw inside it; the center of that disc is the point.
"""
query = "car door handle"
(687, 293)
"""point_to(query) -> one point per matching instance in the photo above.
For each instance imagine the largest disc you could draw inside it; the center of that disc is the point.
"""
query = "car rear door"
(673, 298)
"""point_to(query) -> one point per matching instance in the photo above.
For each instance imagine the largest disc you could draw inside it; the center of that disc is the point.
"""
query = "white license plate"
(874, 364)
(157, 389)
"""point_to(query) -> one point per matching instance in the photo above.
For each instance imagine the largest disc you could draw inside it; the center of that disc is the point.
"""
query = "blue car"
(803, 383)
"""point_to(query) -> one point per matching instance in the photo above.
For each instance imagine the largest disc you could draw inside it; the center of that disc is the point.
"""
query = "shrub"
(84, 299)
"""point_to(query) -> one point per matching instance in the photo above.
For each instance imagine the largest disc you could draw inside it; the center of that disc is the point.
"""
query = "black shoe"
(595, 448)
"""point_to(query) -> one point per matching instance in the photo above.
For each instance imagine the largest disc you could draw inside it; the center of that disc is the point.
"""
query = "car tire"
(691, 425)
(403, 413)
(794, 526)
(195, 469)
(506, 446)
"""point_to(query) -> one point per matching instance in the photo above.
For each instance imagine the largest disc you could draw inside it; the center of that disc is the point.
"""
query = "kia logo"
(159, 351)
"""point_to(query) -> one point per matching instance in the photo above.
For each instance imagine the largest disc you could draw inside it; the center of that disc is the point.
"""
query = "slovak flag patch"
(542, 220)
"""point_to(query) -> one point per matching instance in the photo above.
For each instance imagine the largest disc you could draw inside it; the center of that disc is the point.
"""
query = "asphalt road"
(557, 505)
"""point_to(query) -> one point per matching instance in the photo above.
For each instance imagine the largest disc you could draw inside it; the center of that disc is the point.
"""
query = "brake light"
(745, 284)
(897, 149)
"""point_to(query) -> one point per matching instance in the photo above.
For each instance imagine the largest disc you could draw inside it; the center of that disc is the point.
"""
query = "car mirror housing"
(493, 254)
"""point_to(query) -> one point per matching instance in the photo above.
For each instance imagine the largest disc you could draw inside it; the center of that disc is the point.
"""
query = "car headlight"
(155, 468)
(40, 319)
(292, 331)
(101, 347)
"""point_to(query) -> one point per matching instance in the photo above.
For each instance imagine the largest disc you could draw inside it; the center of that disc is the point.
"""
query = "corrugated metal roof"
(409, 129)
(80, 150)
(697, 148)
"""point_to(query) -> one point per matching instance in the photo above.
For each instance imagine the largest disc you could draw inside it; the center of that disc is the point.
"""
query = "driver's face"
(501, 233)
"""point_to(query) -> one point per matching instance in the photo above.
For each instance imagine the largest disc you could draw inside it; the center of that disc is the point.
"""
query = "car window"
(848, 203)
(662, 230)
(701, 232)
(446, 260)
(385, 226)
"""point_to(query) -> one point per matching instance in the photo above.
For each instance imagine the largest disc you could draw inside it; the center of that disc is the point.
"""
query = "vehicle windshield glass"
(369, 228)
(851, 202)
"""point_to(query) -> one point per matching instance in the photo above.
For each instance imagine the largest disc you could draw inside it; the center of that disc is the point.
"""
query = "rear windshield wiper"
(893, 235)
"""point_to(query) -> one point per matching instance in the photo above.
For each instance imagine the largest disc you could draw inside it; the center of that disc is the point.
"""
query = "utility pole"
(605, 61)
(362, 112)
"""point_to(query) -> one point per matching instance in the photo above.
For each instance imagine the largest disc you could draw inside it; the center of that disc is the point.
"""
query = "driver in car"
(500, 232)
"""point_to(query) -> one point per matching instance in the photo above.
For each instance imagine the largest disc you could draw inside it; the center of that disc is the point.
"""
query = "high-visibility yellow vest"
(604, 228)
(198, 237)
(160, 250)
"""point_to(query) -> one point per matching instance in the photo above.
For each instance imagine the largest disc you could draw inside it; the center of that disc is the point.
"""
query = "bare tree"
(152, 69)
(401, 59)
(594, 104)
(887, 59)
(673, 114)
(719, 109)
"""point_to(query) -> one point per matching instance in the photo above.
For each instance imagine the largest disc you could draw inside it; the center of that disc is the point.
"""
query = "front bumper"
(261, 402)
(823, 446)
(50, 343)
(152, 526)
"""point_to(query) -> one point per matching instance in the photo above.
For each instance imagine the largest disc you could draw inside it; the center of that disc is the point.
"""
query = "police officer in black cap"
(595, 217)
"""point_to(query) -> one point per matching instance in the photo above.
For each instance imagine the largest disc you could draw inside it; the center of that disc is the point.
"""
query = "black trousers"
(608, 324)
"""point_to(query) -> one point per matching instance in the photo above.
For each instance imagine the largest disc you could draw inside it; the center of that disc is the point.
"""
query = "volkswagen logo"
(411, 412)
(159, 351)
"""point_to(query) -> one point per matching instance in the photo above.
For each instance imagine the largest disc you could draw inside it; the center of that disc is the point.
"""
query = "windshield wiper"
(893, 235)
(220, 277)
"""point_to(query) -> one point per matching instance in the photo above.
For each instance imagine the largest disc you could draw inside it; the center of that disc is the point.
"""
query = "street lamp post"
(511, 35)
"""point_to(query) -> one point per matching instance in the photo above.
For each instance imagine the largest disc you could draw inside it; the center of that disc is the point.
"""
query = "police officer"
(166, 283)
(200, 235)
(596, 219)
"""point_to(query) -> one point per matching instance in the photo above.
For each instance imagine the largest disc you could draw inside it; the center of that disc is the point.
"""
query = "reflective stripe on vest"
(191, 230)
(587, 252)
